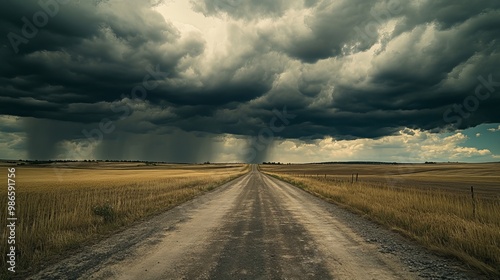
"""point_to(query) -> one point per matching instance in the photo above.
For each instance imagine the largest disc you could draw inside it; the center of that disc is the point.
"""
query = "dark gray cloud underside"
(423, 72)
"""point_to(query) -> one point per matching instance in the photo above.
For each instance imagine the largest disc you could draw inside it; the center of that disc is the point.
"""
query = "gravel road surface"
(256, 227)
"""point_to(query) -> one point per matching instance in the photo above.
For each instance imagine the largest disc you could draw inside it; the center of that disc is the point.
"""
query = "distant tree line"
(358, 162)
(27, 161)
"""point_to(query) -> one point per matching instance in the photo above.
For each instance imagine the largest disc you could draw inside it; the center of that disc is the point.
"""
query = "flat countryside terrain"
(259, 227)
(63, 206)
(453, 177)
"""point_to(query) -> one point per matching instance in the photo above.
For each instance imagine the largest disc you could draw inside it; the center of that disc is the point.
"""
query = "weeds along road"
(255, 227)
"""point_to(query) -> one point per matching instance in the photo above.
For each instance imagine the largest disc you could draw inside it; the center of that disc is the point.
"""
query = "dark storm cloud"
(177, 146)
(328, 31)
(10, 125)
(446, 14)
(242, 8)
(44, 136)
(346, 69)
(105, 57)
(332, 28)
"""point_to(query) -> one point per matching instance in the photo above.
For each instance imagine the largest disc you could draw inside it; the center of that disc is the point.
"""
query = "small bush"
(105, 211)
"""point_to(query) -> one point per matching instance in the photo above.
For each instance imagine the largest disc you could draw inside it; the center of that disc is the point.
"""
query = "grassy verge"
(439, 220)
(56, 215)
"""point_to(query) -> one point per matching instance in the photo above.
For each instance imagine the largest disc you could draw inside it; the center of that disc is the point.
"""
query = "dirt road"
(256, 227)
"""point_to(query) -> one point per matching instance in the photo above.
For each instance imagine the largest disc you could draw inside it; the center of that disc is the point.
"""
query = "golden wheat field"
(62, 206)
(431, 203)
(454, 177)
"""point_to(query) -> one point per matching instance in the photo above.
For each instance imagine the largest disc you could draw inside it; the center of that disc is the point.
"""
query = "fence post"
(357, 177)
(473, 202)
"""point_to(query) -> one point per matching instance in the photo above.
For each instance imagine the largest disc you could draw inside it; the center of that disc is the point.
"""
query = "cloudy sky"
(250, 80)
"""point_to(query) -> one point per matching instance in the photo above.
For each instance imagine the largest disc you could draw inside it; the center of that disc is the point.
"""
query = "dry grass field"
(62, 206)
(454, 177)
(430, 203)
